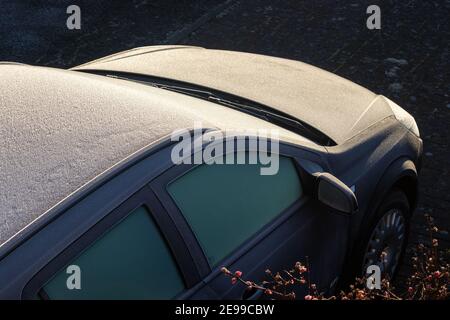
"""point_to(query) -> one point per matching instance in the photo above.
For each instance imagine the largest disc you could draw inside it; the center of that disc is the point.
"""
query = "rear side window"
(131, 261)
(225, 204)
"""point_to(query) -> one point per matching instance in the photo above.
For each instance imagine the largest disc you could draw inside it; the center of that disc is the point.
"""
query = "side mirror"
(335, 194)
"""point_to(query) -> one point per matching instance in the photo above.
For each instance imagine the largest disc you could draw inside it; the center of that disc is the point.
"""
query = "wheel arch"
(402, 174)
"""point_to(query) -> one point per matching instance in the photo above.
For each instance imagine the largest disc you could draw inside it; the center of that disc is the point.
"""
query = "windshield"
(243, 105)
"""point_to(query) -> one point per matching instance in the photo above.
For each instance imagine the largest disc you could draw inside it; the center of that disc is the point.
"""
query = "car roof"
(333, 105)
(60, 129)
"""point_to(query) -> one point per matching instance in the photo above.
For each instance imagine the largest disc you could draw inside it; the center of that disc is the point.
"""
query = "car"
(94, 207)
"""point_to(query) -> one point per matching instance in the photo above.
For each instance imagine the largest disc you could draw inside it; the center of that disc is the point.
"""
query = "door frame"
(143, 198)
(159, 187)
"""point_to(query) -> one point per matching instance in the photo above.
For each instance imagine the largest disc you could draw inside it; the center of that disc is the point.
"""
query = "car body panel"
(363, 162)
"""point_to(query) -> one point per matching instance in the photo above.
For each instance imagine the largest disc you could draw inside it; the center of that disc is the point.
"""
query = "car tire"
(387, 232)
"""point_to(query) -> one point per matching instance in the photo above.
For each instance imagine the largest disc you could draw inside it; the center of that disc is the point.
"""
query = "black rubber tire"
(396, 199)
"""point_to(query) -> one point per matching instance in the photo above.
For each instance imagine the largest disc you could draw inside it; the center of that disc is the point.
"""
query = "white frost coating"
(59, 129)
(404, 117)
(323, 100)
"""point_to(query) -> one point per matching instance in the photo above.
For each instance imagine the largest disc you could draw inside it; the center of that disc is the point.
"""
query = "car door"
(126, 255)
(233, 216)
(114, 237)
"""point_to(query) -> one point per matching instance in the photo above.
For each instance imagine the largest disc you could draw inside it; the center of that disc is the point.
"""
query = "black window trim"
(158, 186)
(144, 197)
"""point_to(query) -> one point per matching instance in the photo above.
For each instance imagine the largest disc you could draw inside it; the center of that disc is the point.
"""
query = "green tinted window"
(131, 261)
(225, 204)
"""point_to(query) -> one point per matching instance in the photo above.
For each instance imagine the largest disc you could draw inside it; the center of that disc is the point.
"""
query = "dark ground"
(407, 60)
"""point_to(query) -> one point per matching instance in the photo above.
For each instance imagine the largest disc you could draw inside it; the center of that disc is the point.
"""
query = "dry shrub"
(429, 279)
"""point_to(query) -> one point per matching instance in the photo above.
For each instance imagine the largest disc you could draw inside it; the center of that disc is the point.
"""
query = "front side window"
(130, 261)
(225, 204)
